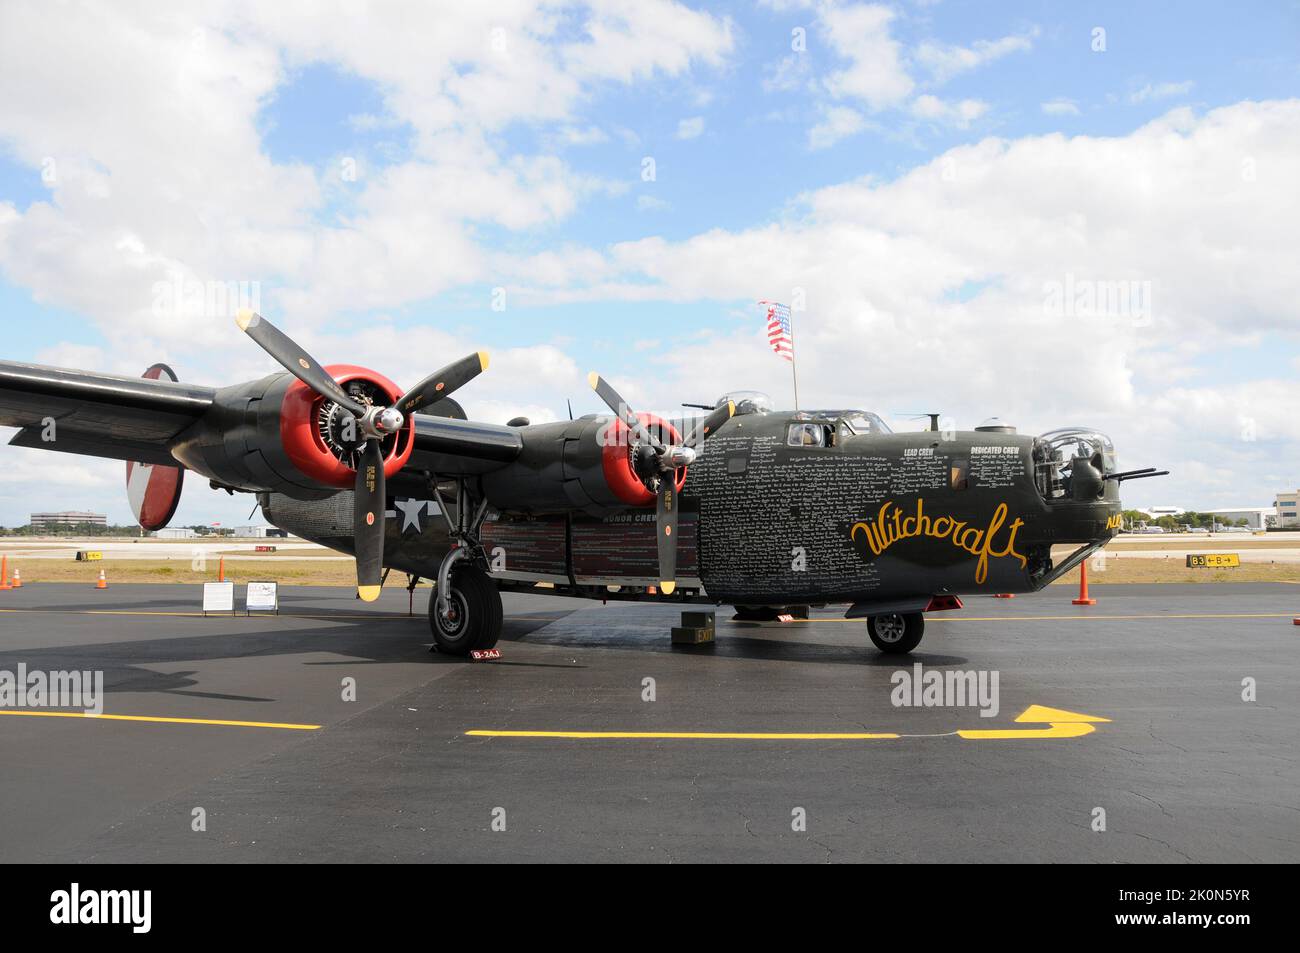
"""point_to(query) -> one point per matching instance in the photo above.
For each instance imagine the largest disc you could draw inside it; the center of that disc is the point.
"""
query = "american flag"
(778, 329)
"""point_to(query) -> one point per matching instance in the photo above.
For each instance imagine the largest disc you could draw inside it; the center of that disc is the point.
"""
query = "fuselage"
(784, 508)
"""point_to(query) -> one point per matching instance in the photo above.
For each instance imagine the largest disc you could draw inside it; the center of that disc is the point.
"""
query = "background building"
(52, 522)
(1255, 516)
(1155, 512)
(259, 532)
(1288, 510)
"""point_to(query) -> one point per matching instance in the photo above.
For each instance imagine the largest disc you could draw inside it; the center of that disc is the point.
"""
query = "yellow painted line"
(1084, 617)
(1081, 617)
(686, 735)
(1016, 734)
(372, 617)
(158, 720)
(1059, 724)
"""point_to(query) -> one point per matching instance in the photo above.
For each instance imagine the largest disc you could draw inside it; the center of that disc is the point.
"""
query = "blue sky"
(731, 136)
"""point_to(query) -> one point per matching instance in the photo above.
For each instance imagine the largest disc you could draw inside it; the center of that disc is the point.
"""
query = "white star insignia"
(411, 511)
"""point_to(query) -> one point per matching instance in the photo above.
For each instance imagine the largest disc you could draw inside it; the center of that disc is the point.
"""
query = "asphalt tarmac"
(723, 756)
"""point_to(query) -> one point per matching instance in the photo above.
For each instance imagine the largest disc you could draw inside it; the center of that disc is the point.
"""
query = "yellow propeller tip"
(369, 593)
(483, 360)
(731, 408)
(593, 379)
(667, 588)
(245, 317)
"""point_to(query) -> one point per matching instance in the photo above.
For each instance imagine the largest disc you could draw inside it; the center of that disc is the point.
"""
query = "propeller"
(657, 464)
(934, 418)
(366, 432)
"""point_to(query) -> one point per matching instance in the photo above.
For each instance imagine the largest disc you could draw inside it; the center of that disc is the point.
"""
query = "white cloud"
(860, 33)
(788, 74)
(152, 121)
(690, 128)
(945, 60)
(879, 73)
(1060, 107)
(583, 136)
(837, 122)
(1160, 91)
(959, 114)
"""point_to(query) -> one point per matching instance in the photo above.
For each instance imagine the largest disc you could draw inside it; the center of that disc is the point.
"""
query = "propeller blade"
(443, 383)
(666, 525)
(368, 521)
(617, 404)
(294, 359)
(705, 429)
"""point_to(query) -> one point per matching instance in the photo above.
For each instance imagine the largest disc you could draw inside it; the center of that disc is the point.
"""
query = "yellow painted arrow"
(1060, 724)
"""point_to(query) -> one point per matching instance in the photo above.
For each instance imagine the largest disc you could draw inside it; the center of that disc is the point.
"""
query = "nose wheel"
(896, 634)
(473, 617)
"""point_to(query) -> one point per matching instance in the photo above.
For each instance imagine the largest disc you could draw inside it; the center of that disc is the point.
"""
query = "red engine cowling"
(305, 433)
(617, 447)
(584, 465)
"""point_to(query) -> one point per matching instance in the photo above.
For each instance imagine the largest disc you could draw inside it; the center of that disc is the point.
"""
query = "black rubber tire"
(896, 634)
(756, 613)
(477, 605)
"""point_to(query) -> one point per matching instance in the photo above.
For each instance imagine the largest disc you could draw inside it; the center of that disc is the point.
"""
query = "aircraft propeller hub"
(678, 457)
(386, 421)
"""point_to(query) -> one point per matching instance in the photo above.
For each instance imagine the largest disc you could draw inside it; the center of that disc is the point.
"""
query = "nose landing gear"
(896, 633)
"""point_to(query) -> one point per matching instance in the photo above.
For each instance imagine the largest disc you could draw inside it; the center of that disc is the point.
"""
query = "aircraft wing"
(136, 419)
(97, 415)
(449, 446)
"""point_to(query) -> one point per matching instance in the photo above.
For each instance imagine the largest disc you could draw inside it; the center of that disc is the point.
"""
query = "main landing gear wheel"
(474, 617)
(896, 634)
(756, 613)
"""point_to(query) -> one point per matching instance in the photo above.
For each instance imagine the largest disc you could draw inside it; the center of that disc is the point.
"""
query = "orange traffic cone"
(4, 574)
(103, 581)
(221, 570)
(1083, 599)
(18, 579)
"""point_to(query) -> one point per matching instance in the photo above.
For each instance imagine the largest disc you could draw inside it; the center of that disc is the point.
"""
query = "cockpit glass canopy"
(1069, 442)
(857, 422)
(1056, 452)
(748, 402)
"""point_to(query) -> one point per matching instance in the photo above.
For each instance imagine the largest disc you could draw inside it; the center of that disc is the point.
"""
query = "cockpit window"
(862, 422)
(806, 435)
